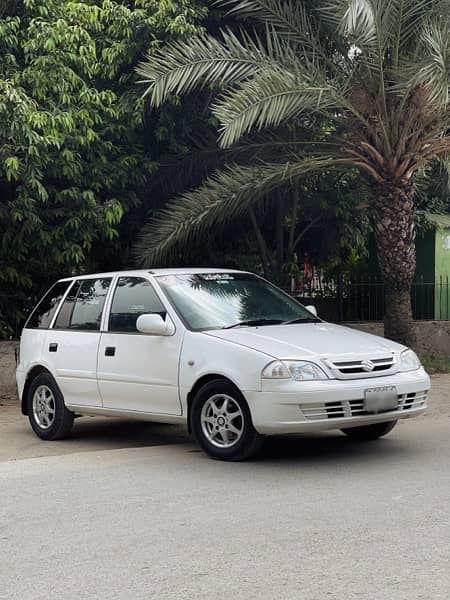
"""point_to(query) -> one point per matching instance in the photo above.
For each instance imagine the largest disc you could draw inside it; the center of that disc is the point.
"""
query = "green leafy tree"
(379, 70)
(76, 149)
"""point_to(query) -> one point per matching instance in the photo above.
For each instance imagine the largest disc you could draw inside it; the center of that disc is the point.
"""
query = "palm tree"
(379, 70)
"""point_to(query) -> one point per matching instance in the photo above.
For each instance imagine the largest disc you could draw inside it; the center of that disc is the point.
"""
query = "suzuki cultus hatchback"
(224, 352)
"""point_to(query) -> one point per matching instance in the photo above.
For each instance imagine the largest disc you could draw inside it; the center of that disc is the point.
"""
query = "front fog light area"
(298, 370)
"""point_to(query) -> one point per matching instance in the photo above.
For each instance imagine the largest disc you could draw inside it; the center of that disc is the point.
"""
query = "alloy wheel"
(222, 421)
(44, 407)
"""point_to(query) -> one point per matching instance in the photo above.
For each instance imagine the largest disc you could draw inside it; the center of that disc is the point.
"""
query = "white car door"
(138, 372)
(72, 344)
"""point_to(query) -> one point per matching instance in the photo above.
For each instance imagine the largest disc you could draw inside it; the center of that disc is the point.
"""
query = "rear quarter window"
(83, 307)
(42, 315)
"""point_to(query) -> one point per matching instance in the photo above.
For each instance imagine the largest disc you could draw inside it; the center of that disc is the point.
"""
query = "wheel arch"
(198, 385)
(32, 374)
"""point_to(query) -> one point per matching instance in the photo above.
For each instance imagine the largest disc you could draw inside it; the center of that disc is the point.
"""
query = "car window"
(65, 312)
(42, 315)
(83, 308)
(220, 300)
(133, 297)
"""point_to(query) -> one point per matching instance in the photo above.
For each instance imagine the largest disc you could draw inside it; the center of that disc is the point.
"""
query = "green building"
(431, 287)
(431, 292)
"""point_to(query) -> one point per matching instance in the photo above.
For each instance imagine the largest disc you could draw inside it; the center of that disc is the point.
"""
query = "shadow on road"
(333, 447)
(126, 433)
(17, 441)
(310, 447)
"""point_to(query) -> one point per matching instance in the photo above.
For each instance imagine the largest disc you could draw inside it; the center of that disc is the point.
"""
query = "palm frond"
(222, 198)
(184, 65)
(434, 72)
(182, 171)
(267, 100)
(402, 18)
(354, 19)
(359, 20)
(287, 17)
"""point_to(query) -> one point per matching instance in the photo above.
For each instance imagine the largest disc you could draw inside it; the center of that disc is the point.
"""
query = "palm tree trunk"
(394, 225)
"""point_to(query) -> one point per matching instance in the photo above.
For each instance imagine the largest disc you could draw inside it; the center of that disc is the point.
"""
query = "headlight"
(409, 361)
(299, 370)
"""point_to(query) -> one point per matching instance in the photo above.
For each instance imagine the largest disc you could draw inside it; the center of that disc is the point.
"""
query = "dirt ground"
(7, 373)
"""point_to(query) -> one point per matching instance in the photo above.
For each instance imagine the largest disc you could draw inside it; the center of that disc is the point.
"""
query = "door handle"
(110, 351)
(52, 347)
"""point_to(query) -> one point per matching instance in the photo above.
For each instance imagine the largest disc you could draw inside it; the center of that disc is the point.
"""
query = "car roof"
(154, 272)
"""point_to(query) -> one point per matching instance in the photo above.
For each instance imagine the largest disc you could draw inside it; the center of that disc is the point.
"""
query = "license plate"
(380, 399)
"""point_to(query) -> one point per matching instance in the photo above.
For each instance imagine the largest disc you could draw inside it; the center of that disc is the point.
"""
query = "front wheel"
(47, 412)
(222, 424)
(370, 432)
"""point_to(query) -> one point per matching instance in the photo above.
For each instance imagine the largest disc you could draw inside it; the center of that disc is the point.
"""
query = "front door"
(136, 371)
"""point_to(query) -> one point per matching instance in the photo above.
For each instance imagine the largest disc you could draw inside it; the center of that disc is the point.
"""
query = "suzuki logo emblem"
(367, 365)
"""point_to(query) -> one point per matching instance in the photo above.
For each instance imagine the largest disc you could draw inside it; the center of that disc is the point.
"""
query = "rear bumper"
(289, 407)
(20, 380)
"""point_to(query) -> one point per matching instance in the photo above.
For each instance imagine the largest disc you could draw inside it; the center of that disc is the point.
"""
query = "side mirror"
(154, 324)
(312, 309)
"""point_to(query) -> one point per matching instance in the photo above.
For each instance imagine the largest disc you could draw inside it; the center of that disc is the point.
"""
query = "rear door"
(136, 371)
(72, 344)
(34, 334)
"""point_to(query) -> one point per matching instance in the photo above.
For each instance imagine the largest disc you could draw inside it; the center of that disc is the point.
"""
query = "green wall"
(423, 296)
(442, 273)
(425, 252)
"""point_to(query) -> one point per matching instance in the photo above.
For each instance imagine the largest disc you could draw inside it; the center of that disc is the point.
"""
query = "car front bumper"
(288, 407)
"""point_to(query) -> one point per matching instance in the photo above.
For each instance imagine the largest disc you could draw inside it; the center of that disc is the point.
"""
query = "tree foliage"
(76, 148)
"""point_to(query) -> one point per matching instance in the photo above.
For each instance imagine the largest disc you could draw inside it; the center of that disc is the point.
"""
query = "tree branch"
(262, 246)
(305, 230)
(295, 207)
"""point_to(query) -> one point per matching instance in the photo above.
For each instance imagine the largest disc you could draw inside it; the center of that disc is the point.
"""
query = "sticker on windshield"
(217, 277)
(168, 280)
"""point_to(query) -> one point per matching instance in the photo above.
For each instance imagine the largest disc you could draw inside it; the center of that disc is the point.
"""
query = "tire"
(226, 432)
(370, 432)
(47, 413)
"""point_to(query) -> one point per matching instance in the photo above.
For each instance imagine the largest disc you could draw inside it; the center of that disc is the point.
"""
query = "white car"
(223, 351)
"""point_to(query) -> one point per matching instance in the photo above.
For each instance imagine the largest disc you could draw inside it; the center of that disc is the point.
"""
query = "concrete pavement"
(17, 441)
(313, 518)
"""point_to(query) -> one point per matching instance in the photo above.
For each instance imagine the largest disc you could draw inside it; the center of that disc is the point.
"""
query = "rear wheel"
(47, 412)
(370, 432)
(222, 424)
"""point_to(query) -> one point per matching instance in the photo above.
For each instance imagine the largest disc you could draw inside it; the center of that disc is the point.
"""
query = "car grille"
(357, 369)
(355, 408)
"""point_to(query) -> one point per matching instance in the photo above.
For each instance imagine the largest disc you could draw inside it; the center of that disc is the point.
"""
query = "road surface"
(314, 518)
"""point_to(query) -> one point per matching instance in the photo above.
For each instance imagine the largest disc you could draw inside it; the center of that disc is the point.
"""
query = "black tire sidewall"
(63, 418)
(250, 441)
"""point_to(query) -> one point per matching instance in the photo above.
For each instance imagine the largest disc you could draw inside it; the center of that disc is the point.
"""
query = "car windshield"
(226, 300)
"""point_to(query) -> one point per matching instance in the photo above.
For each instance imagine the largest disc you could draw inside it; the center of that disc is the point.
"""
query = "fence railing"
(340, 299)
(345, 299)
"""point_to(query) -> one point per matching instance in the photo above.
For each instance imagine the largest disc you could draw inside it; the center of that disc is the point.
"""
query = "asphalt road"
(313, 518)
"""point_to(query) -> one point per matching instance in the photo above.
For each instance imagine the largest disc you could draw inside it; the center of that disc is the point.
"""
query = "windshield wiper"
(300, 320)
(255, 323)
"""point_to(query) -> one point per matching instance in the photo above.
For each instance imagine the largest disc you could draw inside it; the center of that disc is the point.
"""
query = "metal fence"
(346, 299)
(337, 300)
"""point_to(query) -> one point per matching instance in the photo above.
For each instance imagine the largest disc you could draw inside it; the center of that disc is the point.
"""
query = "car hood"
(324, 340)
